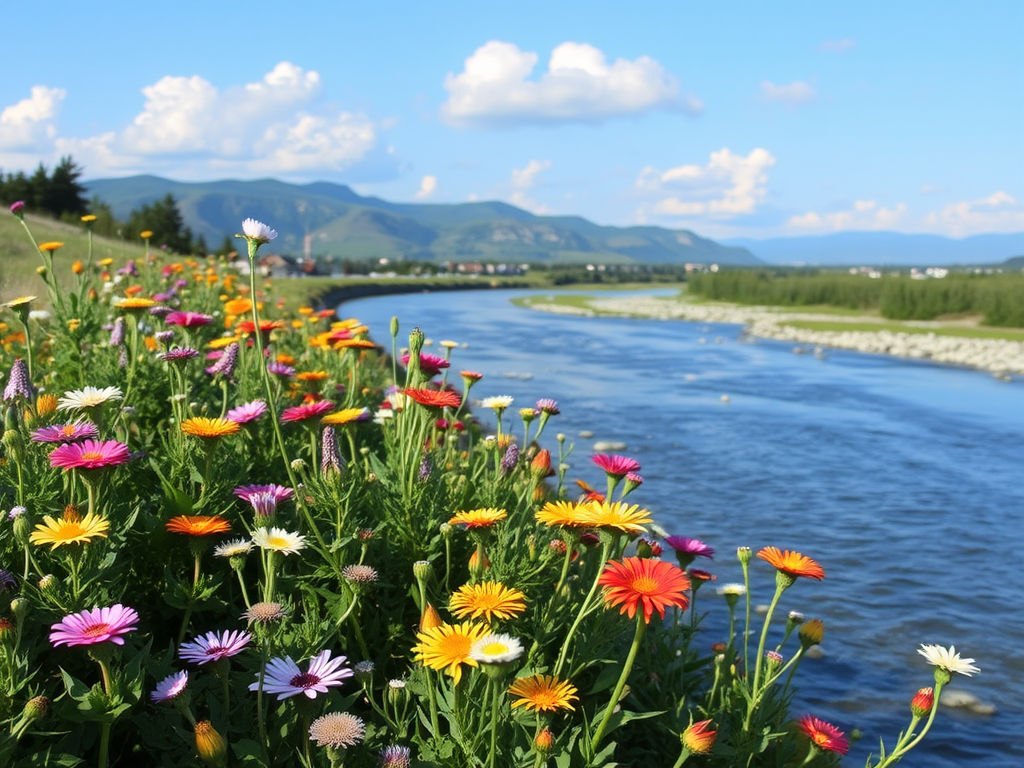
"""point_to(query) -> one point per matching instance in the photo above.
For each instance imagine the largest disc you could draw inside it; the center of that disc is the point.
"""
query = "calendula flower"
(338, 730)
(257, 232)
(87, 397)
(214, 646)
(617, 515)
(95, 626)
(278, 540)
(448, 647)
(948, 659)
(209, 429)
(478, 518)
(170, 687)
(432, 398)
(90, 454)
(543, 693)
(198, 525)
(792, 563)
(651, 584)
(488, 599)
(284, 678)
(824, 736)
(496, 649)
(72, 528)
(50, 247)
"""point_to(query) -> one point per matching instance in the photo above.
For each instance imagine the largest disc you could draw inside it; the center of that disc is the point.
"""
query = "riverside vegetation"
(237, 533)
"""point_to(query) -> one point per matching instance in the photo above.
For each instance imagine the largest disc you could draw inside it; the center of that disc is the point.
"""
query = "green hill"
(344, 224)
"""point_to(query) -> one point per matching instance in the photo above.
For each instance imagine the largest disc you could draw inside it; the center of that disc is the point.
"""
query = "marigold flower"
(95, 626)
(543, 693)
(198, 525)
(488, 599)
(652, 584)
(146, 234)
(699, 738)
(448, 647)
(792, 563)
(209, 429)
(478, 518)
(824, 736)
(70, 529)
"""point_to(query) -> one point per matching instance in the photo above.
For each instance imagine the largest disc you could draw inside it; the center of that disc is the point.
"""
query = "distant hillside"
(344, 224)
(880, 248)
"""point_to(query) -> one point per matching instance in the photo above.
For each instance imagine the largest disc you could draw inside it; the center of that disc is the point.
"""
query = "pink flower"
(431, 365)
(96, 626)
(170, 687)
(307, 411)
(249, 492)
(616, 466)
(686, 546)
(65, 433)
(243, 414)
(91, 454)
(283, 676)
(188, 319)
(214, 646)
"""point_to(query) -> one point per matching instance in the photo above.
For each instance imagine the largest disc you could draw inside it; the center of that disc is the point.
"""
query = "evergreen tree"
(62, 194)
(164, 220)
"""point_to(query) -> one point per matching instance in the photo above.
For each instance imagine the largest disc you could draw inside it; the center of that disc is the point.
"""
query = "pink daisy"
(91, 454)
(170, 687)
(214, 646)
(307, 411)
(243, 414)
(188, 319)
(179, 354)
(96, 626)
(431, 365)
(283, 676)
(66, 433)
(616, 466)
(686, 546)
(248, 492)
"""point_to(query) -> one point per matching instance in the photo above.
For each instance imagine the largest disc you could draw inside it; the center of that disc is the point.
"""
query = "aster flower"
(188, 319)
(18, 385)
(543, 693)
(306, 411)
(651, 584)
(618, 515)
(66, 433)
(249, 412)
(448, 647)
(280, 369)
(209, 429)
(263, 504)
(478, 518)
(489, 599)
(431, 365)
(278, 540)
(87, 397)
(214, 646)
(72, 528)
(94, 626)
(179, 355)
(280, 493)
(792, 564)
(198, 525)
(616, 466)
(233, 548)
(284, 678)
(257, 232)
(948, 659)
(170, 687)
(824, 736)
(90, 454)
(691, 547)
(337, 730)
(547, 406)
(432, 398)
(496, 649)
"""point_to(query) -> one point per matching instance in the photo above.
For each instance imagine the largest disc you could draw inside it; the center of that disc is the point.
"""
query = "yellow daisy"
(72, 528)
(346, 416)
(489, 599)
(618, 515)
(565, 513)
(478, 518)
(448, 647)
(135, 303)
(543, 693)
(210, 429)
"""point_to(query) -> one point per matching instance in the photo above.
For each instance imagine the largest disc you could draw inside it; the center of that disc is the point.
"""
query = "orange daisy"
(198, 525)
(489, 599)
(543, 693)
(448, 647)
(792, 563)
(478, 518)
(431, 398)
(210, 429)
(353, 344)
(654, 584)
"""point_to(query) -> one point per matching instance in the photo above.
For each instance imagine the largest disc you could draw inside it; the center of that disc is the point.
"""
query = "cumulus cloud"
(428, 186)
(838, 46)
(278, 125)
(791, 95)
(494, 90)
(729, 186)
(525, 178)
(863, 215)
(30, 123)
(999, 212)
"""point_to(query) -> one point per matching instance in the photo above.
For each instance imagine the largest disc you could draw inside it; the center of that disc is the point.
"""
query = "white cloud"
(523, 178)
(999, 212)
(791, 95)
(428, 186)
(863, 215)
(29, 123)
(931, 189)
(838, 46)
(493, 90)
(730, 185)
(188, 127)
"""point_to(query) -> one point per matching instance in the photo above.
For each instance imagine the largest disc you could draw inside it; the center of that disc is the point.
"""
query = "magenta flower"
(91, 454)
(306, 411)
(246, 413)
(280, 369)
(96, 626)
(248, 492)
(179, 354)
(694, 547)
(170, 687)
(548, 406)
(17, 207)
(431, 365)
(214, 646)
(616, 466)
(283, 676)
(188, 319)
(263, 504)
(66, 433)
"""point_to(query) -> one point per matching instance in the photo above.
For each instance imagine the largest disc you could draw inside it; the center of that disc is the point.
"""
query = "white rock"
(608, 445)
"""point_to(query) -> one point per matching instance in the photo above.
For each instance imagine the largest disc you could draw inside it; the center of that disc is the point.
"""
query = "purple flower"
(164, 336)
(214, 646)
(226, 365)
(129, 269)
(179, 355)
(331, 460)
(616, 466)
(17, 208)
(96, 626)
(510, 459)
(188, 319)
(246, 413)
(117, 333)
(694, 547)
(6, 581)
(66, 433)
(160, 311)
(395, 756)
(280, 493)
(170, 687)
(18, 384)
(283, 676)
(548, 407)
(425, 469)
(280, 369)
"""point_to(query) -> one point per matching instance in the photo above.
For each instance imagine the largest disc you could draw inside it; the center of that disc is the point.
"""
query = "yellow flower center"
(92, 455)
(645, 585)
(495, 649)
(277, 542)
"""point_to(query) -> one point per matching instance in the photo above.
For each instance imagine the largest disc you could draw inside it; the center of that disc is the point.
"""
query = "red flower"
(616, 466)
(824, 736)
(699, 738)
(654, 584)
(432, 398)
(307, 411)
(792, 563)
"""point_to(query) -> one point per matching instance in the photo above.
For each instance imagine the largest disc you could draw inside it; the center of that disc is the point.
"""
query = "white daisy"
(258, 231)
(278, 540)
(948, 659)
(89, 397)
(498, 402)
(732, 589)
(233, 548)
(496, 649)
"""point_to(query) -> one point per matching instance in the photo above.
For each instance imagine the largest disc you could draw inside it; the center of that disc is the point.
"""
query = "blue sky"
(730, 119)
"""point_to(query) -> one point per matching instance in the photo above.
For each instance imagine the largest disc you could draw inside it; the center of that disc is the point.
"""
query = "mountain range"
(342, 224)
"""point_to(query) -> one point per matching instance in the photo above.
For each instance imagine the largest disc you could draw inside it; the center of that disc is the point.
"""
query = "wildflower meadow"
(237, 532)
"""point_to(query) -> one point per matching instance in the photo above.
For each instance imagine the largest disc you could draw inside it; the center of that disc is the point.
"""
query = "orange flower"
(699, 738)
(792, 563)
(353, 344)
(654, 584)
(51, 247)
(478, 518)
(238, 306)
(201, 426)
(433, 399)
(198, 525)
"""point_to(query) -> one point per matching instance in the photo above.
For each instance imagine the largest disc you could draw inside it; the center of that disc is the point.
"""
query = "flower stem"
(641, 625)
(605, 553)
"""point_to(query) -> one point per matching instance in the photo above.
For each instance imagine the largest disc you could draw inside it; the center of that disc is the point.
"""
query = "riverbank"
(919, 341)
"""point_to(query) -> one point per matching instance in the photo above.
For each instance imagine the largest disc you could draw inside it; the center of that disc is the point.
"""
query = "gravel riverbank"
(995, 355)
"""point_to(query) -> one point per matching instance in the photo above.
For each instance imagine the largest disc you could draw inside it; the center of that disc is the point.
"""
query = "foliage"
(57, 194)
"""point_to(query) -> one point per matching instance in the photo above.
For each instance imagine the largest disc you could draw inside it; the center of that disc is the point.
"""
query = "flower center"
(92, 456)
(68, 430)
(96, 630)
(277, 542)
(495, 649)
(304, 681)
(645, 585)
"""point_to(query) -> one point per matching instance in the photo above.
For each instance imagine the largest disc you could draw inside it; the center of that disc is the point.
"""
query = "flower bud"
(922, 702)
(743, 554)
(422, 570)
(698, 737)
(397, 692)
(394, 326)
(210, 744)
(36, 708)
(540, 466)
(416, 339)
(19, 607)
(544, 742)
(811, 633)
(49, 584)
(6, 630)
(772, 661)
(430, 618)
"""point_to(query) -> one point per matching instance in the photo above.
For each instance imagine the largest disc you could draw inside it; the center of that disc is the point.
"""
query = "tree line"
(61, 195)
(997, 297)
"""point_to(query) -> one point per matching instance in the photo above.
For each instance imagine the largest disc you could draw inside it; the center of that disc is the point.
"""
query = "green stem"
(755, 692)
(606, 551)
(641, 625)
(495, 699)
(900, 751)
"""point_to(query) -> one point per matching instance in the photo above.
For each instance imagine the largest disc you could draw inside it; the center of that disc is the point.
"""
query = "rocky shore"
(995, 355)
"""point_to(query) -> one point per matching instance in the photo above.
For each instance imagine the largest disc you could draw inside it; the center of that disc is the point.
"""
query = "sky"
(730, 119)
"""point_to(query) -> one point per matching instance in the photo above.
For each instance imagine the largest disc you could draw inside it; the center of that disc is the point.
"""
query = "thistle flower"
(395, 756)
(338, 730)
(265, 613)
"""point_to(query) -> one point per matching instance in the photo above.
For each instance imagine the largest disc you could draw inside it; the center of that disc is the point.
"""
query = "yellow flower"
(447, 647)
(135, 303)
(543, 693)
(105, 262)
(617, 515)
(70, 529)
(478, 518)
(346, 416)
(88, 219)
(145, 234)
(46, 404)
(565, 513)
(50, 246)
(489, 599)
(201, 426)
(225, 341)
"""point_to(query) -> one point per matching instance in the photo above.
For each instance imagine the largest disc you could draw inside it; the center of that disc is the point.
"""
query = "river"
(902, 478)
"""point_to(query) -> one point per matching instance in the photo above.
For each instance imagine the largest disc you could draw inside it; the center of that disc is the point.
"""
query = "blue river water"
(902, 478)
